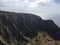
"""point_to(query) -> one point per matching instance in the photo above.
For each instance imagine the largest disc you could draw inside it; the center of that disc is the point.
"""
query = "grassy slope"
(41, 39)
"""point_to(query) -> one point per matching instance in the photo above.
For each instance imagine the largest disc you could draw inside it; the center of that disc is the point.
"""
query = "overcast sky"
(47, 9)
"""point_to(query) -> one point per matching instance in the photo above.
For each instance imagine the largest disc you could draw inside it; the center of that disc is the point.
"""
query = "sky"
(47, 9)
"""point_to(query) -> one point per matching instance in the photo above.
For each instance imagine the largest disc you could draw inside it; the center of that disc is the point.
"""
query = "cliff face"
(16, 26)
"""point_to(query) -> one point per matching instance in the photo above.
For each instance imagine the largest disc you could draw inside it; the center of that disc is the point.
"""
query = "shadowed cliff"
(17, 26)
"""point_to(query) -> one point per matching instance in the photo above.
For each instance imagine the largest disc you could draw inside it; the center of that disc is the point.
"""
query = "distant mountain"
(18, 26)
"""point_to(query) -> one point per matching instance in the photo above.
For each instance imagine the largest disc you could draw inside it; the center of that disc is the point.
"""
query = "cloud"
(36, 6)
(26, 3)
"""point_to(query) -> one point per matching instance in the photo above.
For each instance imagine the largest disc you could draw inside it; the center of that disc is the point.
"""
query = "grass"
(41, 39)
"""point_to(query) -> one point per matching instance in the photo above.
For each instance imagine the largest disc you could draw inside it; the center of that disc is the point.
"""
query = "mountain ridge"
(17, 25)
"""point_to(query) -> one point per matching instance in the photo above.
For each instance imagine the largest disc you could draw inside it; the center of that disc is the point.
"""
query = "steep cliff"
(17, 26)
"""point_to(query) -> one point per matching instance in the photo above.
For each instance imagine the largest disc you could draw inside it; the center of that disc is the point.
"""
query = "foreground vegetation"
(41, 39)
